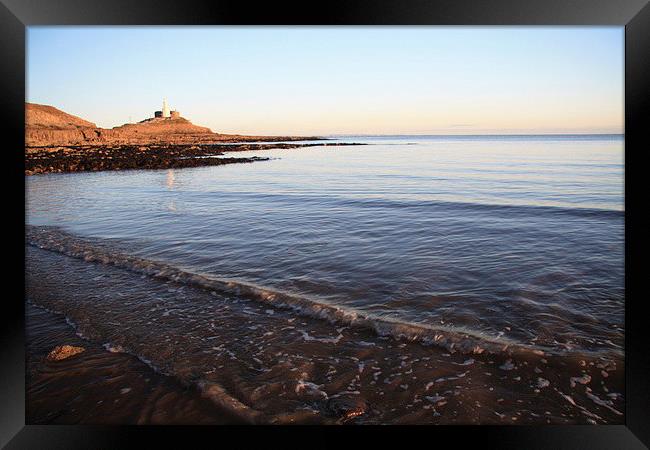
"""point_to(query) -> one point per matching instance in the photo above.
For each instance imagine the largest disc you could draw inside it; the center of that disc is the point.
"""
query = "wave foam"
(461, 340)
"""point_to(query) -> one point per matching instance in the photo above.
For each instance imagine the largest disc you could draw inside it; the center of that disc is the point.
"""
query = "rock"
(347, 407)
(61, 352)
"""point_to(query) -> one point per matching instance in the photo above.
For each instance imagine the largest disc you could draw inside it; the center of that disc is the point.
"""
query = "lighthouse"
(166, 113)
(165, 109)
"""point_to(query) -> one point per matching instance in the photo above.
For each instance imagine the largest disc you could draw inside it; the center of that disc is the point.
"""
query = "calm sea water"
(511, 237)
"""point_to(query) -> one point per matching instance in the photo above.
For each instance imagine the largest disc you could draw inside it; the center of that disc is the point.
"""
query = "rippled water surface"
(517, 238)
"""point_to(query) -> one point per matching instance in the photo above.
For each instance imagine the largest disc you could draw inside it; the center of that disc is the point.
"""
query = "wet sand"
(102, 387)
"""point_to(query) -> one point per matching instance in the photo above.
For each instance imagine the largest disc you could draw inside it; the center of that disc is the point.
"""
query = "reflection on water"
(170, 179)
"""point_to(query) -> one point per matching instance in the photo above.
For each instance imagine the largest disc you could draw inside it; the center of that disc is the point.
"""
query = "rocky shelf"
(56, 159)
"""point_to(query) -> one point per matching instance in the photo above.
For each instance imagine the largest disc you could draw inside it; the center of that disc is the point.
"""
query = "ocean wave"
(511, 210)
(452, 339)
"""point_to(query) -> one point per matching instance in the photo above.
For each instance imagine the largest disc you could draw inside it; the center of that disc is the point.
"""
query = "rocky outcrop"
(162, 126)
(49, 126)
(59, 159)
(46, 126)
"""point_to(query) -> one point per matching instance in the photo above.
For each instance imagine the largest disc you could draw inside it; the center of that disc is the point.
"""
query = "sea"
(413, 279)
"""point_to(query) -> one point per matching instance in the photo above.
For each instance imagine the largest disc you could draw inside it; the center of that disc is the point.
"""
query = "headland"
(56, 141)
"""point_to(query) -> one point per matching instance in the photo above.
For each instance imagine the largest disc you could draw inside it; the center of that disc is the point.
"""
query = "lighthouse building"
(166, 113)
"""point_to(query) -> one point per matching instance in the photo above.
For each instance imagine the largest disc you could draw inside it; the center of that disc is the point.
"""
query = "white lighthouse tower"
(165, 109)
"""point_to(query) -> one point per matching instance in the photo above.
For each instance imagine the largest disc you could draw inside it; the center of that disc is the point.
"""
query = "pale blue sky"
(336, 80)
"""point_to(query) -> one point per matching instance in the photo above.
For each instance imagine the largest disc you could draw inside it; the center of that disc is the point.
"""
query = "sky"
(336, 80)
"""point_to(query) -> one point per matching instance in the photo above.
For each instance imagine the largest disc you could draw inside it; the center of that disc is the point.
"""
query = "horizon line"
(475, 134)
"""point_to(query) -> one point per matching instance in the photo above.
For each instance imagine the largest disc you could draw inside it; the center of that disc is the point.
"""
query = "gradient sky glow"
(337, 80)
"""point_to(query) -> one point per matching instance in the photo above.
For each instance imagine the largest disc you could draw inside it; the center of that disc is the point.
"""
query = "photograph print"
(325, 225)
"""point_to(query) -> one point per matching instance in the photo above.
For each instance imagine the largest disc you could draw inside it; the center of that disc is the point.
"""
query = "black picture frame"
(634, 15)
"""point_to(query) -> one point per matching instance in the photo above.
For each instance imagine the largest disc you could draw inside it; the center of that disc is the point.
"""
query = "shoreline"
(83, 158)
(287, 367)
(99, 386)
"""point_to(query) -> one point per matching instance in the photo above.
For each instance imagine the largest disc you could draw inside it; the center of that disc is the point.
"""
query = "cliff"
(46, 125)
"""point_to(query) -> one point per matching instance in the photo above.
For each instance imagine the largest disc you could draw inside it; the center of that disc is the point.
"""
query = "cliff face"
(49, 126)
